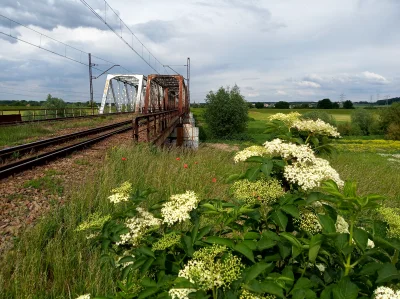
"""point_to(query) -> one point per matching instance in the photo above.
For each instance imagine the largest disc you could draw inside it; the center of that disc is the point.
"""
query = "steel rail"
(15, 123)
(24, 164)
(23, 148)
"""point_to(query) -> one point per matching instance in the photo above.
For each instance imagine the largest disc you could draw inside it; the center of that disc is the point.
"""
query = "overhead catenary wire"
(55, 40)
(62, 91)
(104, 20)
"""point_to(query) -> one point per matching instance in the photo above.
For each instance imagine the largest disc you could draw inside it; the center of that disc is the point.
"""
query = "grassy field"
(53, 261)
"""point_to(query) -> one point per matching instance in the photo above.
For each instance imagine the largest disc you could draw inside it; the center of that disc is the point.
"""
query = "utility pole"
(91, 83)
(91, 77)
(188, 77)
(342, 97)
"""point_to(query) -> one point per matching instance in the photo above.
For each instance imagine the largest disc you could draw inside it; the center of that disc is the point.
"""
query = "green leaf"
(302, 283)
(387, 273)
(328, 226)
(220, 241)
(265, 243)
(251, 244)
(147, 292)
(315, 245)
(370, 268)
(195, 230)
(188, 245)
(253, 173)
(266, 168)
(257, 159)
(209, 206)
(327, 292)
(292, 239)
(345, 289)
(147, 251)
(361, 237)
(203, 231)
(232, 178)
(256, 270)
(265, 287)
(291, 210)
(147, 265)
(313, 197)
(332, 188)
(126, 259)
(148, 282)
(246, 251)
(280, 219)
(251, 236)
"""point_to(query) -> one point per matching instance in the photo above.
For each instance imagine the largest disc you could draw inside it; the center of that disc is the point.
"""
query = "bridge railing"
(155, 127)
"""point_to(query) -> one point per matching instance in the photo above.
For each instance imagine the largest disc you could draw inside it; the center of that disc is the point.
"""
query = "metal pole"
(91, 83)
(188, 80)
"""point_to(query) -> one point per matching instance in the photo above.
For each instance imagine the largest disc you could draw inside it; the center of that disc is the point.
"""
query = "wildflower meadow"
(290, 228)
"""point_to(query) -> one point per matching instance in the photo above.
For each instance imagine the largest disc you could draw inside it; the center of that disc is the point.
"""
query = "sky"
(275, 50)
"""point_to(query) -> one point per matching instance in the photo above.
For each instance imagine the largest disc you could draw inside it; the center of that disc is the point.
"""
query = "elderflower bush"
(291, 229)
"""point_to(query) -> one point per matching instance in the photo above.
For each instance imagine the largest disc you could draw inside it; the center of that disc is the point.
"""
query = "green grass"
(13, 135)
(50, 183)
(51, 260)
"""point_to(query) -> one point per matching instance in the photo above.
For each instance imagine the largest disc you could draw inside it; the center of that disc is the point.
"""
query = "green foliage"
(259, 105)
(365, 121)
(322, 115)
(325, 104)
(348, 104)
(50, 183)
(54, 103)
(282, 105)
(390, 121)
(226, 112)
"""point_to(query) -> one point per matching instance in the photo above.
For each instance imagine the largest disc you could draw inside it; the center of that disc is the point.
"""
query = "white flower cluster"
(305, 170)
(316, 126)
(86, 296)
(121, 193)
(341, 225)
(309, 176)
(251, 151)
(118, 197)
(288, 119)
(386, 293)
(180, 293)
(302, 153)
(138, 226)
(177, 209)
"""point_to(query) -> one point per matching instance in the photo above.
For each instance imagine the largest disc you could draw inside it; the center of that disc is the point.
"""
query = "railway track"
(24, 122)
(27, 163)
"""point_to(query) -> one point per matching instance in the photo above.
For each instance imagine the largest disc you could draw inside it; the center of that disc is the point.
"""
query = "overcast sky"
(290, 50)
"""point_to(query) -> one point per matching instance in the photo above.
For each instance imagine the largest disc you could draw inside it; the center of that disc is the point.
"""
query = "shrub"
(390, 120)
(325, 104)
(226, 112)
(348, 105)
(259, 105)
(322, 115)
(364, 120)
(292, 229)
(282, 105)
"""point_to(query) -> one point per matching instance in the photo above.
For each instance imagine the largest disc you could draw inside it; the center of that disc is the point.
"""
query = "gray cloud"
(158, 31)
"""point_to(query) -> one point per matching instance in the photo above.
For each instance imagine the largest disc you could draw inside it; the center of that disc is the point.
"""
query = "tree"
(335, 105)
(282, 105)
(348, 104)
(54, 103)
(364, 120)
(226, 112)
(259, 105)
(325, 104)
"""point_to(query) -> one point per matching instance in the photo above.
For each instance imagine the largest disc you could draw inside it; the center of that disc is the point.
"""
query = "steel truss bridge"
(160, 104)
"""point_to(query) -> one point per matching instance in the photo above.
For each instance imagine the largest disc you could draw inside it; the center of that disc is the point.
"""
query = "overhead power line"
(120, 35)
(41, 46)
